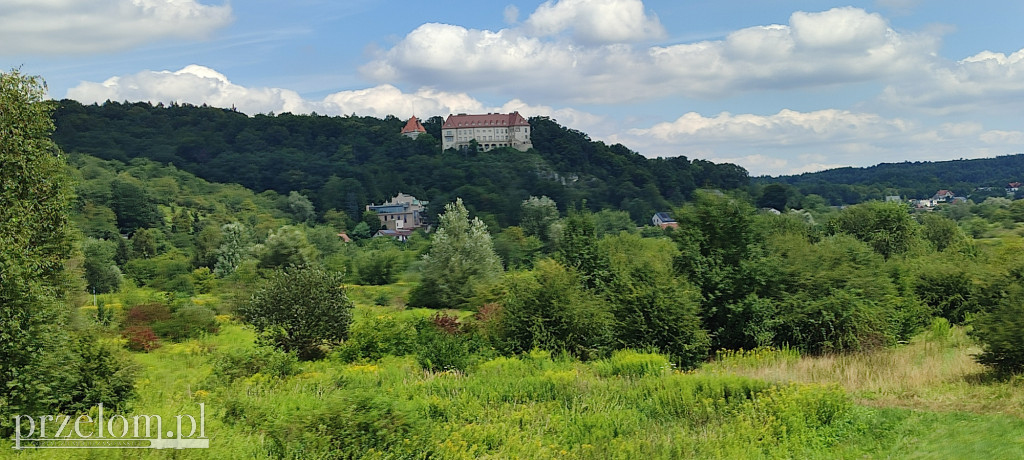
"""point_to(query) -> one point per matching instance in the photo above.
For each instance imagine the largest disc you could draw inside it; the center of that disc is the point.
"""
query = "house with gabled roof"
(943, 196)
(490, 131)
(664, 220)
(413, 128)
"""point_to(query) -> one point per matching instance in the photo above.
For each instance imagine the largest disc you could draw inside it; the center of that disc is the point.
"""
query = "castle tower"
(413, 128)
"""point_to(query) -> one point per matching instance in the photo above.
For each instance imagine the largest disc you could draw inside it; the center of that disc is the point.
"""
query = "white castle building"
(491, 131)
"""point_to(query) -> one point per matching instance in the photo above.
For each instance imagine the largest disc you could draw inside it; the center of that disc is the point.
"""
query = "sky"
(778, 87)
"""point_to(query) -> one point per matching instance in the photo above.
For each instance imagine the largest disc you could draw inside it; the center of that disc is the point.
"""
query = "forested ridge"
(344, 163)
(919, 179)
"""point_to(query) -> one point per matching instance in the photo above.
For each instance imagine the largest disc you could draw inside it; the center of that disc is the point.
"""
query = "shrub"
(442, 351)
(549, 309)
(1001, 334)
(350, 427)
(188, 322)
(141, 338)
(632, 363)
(379, 267)
(146, 314)
(100, 373)
(301, 309)
(377, 337)
(235, 364)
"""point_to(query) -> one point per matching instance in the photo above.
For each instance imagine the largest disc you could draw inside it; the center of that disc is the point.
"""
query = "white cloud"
(981, 82)
(511, 14)
(194, 85)
(791, 142)
(199, 85)
(841, 45)
(595, 21)
(92, 26)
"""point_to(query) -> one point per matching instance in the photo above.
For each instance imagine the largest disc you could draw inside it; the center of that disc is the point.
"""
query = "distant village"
(948, 197)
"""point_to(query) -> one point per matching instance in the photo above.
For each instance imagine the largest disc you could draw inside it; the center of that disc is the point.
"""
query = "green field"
(926, 399)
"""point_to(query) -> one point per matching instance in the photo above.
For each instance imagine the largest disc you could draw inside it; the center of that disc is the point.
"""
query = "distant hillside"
(910, 179)
(346, 162)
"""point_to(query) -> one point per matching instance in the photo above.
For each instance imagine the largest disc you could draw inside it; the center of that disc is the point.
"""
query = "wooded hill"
(919, 179)
(346, 162)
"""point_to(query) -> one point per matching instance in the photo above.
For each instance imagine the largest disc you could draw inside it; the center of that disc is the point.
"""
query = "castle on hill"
(490, 131)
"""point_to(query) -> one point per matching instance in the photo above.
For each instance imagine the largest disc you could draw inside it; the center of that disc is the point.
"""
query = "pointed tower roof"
(413, 126)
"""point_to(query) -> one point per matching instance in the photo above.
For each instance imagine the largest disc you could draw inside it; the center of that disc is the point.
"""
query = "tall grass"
(935, 371)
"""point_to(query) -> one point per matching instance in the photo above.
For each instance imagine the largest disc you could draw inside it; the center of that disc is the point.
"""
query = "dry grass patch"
(934, 372)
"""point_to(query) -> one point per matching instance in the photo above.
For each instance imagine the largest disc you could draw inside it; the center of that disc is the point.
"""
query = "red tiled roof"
(413, 125)
(483, 121)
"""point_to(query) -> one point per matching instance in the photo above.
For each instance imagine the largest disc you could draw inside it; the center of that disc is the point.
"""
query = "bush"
(188, 322)
(350, 427)
(1001, 334)
(100, 373)
(232, 365)
(441, 351)
(632, 363)
(377, 337)
(549, 309)
(301, 309)
(141, 338)
(147, 314)
(443, 344)
(379, 267)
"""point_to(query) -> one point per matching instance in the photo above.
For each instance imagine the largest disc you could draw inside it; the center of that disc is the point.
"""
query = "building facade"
(490, 131)
(403, 212)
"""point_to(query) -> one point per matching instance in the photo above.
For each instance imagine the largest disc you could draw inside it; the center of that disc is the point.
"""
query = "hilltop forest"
(344, 163)
(910, 180)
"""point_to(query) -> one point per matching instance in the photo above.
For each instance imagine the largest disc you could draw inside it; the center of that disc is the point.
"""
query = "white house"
(490, 131)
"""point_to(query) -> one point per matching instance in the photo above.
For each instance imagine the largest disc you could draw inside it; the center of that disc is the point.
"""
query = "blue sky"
(777, 87)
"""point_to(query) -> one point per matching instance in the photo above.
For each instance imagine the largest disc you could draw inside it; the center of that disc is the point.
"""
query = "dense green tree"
(96, 221)
(611, 222)
(461, 259)
(653, 308)
(288, 246)
(300, 207)
(34, 245)
(774, 196)
(548, 308)
(133, 205)
(885, 226)
(716, 238)
(537, 215)
(1001, 333)
(578, 250)
(233, 249)
(515, 248)
(101, 273)
(372, 221)
(942, 232)
(300, 310)
(144, 243)
(379, 266)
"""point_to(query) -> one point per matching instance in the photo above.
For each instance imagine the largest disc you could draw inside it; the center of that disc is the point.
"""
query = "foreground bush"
(1001, 334)
(300, 310)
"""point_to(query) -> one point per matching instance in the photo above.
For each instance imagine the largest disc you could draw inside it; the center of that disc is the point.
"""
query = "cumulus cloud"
(596, 21)
(91, 26)
(841, 45)
(199, 85)
(980, 82)
(193, 84)
(791, 142)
